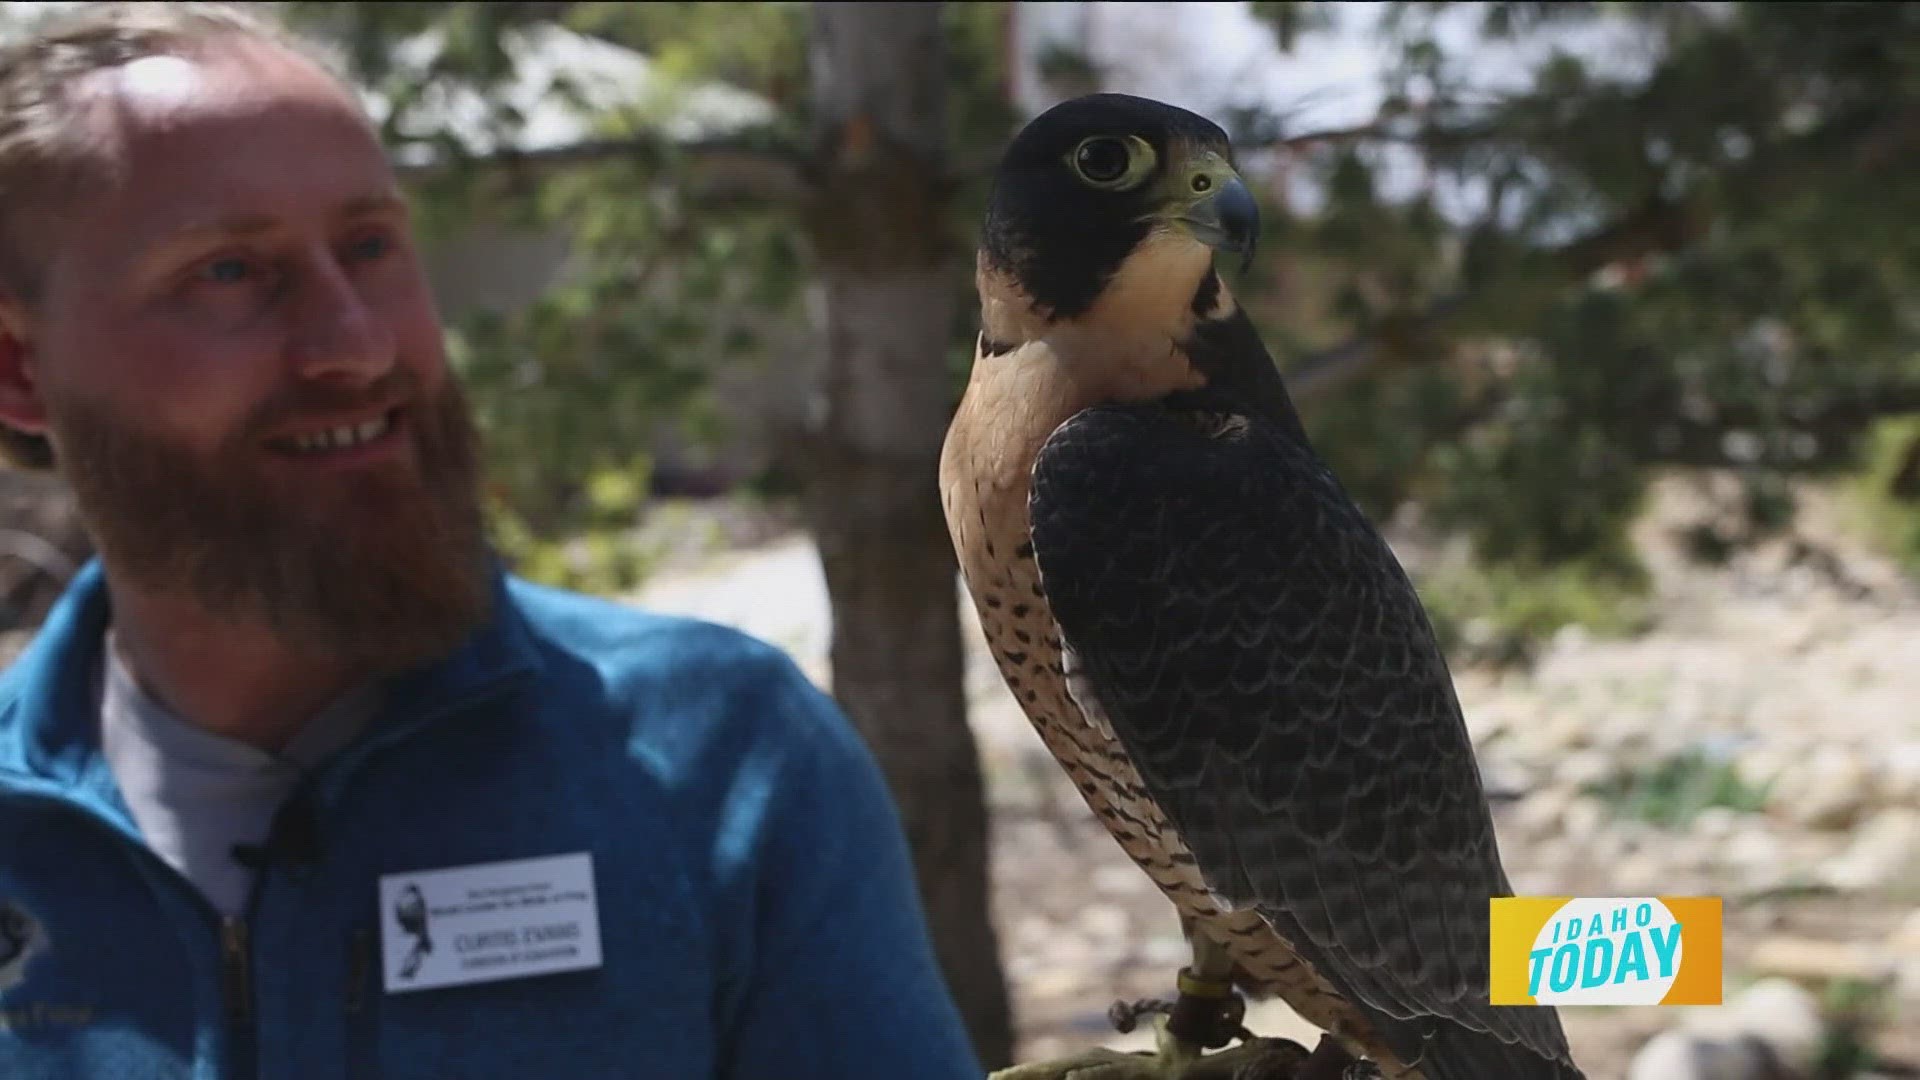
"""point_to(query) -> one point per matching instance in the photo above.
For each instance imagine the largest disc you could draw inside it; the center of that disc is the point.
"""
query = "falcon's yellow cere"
(1605, 950)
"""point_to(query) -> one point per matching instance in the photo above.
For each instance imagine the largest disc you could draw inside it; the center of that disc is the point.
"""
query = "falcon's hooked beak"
(1207, 200)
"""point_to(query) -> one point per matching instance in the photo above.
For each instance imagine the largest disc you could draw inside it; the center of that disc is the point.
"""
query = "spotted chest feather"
(1026, 647)
(985, 481)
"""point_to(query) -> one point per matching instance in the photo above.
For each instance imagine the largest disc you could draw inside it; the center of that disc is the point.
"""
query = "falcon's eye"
(1107, 162)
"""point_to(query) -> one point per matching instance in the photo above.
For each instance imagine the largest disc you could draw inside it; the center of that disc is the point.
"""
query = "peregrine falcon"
(1209, 636)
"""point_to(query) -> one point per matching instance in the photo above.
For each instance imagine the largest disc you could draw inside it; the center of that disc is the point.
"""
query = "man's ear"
(20, 404)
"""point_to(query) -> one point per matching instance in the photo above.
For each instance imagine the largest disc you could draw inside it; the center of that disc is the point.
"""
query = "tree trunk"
(871, 455)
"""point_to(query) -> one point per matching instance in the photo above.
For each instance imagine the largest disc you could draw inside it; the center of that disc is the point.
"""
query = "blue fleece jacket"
(754, 897)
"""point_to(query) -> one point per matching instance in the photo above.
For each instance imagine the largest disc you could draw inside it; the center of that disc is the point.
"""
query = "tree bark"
(870, 453)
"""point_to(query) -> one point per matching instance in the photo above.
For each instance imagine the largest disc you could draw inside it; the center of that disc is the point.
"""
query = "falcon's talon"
(1125, 1015)
(1207, 1021)
(1332, 1061)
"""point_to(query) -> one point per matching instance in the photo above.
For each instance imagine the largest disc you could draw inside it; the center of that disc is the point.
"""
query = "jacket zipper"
(363, 1042)
(236, 950)
(359, 959)
(236, 987)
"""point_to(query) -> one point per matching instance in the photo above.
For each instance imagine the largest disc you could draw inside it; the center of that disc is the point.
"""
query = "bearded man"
(297, 780)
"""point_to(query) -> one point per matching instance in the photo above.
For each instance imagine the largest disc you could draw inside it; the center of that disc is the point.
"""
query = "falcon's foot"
(1255, 1059)
(1206, 1015)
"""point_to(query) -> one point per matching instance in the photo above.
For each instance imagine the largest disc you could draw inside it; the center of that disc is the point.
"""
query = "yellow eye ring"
(1111, 162)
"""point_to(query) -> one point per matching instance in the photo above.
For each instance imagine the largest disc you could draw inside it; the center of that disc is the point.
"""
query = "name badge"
(503, 920)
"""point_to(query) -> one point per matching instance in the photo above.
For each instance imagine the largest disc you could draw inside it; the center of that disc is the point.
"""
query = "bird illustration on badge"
(20, 939)
(410, 911)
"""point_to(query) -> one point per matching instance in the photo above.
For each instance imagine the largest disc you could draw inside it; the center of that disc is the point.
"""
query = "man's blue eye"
(370, 247)
(227, 271)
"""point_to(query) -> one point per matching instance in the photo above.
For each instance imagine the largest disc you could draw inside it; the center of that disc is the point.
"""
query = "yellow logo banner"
(1605, 950)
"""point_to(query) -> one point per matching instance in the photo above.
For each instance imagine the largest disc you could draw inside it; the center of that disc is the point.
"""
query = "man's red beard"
(380, 570)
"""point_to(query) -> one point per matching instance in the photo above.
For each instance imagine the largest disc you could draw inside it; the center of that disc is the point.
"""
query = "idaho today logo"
(1606, 950)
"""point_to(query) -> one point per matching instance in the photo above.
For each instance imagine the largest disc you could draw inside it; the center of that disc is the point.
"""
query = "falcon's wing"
(1266, 664)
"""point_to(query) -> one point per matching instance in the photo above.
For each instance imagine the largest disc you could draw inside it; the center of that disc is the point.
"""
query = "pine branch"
(1654, 227)
(751, 169)
(1320, 373)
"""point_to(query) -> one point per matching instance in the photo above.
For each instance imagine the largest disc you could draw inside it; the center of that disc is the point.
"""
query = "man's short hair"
(48, 156)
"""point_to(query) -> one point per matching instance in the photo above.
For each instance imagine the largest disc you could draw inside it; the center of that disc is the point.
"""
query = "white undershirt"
(195, 794)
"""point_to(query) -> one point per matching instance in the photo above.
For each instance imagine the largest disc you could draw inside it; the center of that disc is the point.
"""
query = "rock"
(1540, 816)
(1905, 945)
(1785, 1016)
(1058, 981)
(1797, 960)
(1884, 852)
(1503, 782)
(1763, 764)
(1637, 873)
(1689, 856)
(1900, 775)
(1031, 932)
(1717, 823)
(1584, 818)
(1752, 847)
(1571, 638)
(1583, 769)
(1797, 637)
(1117, 880)
(1555, 734)
(1104, 923)
(1907, 985)
(1755, 858)
(1906, 937)
(1484, 725)
(1681, 1055)
(1609, 845)
(1770, 1031)
(1830, 790)
(1168, 951)
(1537, 883)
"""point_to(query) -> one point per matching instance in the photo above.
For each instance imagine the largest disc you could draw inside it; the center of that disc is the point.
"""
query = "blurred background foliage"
(1508, 309)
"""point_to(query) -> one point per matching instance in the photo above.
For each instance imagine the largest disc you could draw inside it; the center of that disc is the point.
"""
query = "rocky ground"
(1771, 718)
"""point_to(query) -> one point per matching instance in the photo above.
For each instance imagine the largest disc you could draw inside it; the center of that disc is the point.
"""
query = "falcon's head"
(1115, 197)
